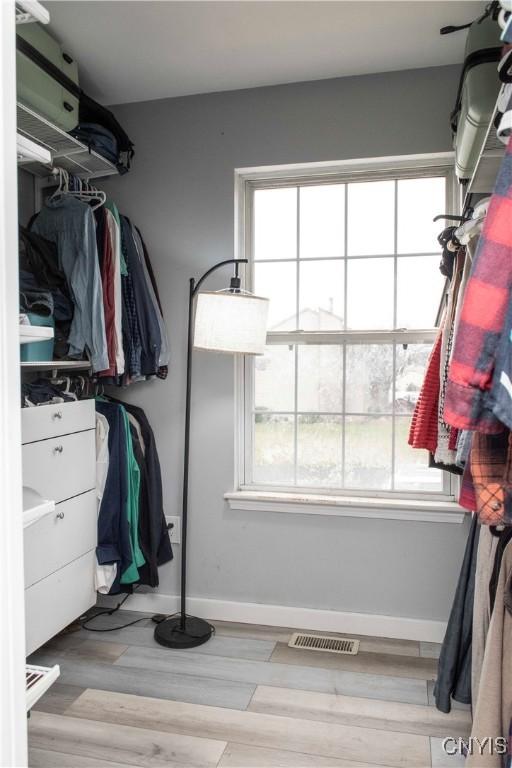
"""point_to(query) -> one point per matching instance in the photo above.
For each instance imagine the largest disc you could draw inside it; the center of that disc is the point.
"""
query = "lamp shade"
(230, 322)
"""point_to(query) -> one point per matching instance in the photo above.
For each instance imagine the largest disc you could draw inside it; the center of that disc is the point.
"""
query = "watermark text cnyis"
(485, 745)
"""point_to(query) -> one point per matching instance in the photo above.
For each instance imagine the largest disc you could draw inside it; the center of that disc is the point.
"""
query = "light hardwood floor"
(243, 700)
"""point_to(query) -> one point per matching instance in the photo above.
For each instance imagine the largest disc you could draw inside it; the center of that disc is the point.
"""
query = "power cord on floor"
(85, 620)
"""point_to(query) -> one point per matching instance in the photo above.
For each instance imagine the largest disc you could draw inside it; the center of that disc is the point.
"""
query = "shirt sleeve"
(88, 293)
(483, 314)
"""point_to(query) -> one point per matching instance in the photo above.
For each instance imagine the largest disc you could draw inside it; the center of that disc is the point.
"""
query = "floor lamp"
(231, 321)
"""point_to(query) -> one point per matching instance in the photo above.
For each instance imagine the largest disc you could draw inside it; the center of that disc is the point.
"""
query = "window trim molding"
(374, 507)
(341, 502)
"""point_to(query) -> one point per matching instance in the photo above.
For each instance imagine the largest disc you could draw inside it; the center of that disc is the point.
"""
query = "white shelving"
(32, 333)
(29, 11)
(65, 151)
(56, 365)
(30, 152)
(38, 680)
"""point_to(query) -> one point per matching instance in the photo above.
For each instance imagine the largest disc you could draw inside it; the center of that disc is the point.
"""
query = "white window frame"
(425, 505)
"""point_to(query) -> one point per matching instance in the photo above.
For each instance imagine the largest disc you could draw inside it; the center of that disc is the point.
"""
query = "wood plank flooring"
(243, 700)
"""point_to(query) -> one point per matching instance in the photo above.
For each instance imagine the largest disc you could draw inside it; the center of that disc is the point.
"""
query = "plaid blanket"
(482, 318)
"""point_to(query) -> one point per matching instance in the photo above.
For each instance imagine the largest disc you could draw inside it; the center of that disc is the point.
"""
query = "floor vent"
(324, 643)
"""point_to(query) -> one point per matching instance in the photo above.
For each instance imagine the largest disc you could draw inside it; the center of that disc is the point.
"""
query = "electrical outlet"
(175, 531)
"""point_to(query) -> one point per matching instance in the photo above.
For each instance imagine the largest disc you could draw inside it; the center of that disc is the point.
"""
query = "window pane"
(320, 378)
(274, 379)
(322, 221)
(419, 200)
(410, 372)
(319, 449)
(278, 282)
(368, 452)
(412, 472)
(418, 308)
(370, 286)
(275, 223)
(371, 218)
(369, 384)
(273, 449)
(321, 295)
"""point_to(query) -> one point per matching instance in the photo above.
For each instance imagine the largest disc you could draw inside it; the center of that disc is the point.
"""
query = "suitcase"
(477, 93)
(46, 77)
(96, 114)
(98, 138)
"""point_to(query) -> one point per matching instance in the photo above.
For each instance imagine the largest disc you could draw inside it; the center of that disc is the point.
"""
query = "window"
(350, 264)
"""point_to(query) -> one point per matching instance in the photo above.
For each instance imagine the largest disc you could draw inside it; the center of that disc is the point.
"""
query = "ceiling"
(137, 51)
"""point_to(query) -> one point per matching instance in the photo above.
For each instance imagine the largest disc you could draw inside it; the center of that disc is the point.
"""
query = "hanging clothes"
(485, 303)
(131, 335)
(488, 460)
(154, 535)
(114, 542)
(115, 238)
(493, 708)
(163, 369)
(487, 543)
(132, 531)
(131, 574)
(144, 310)
(424, 422)
(70, 224)
(163, 359)
(104, 575)
(454, 667)
(106, 260)
(443, 453)
(500, 396)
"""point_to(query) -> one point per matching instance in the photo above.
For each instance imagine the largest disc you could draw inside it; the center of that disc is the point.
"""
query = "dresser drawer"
(62, 466)
(44, 421)
(60, 537)
(53, 603)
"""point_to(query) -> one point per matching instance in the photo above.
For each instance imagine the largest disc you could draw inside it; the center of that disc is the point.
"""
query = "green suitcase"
(39, 60)
(477, 94)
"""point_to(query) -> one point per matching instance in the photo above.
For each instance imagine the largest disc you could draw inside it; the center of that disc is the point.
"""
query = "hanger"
(63, 184)
(81, 189)
(449, 217)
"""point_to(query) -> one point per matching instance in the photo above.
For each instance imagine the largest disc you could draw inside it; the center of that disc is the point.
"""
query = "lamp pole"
(184, 631)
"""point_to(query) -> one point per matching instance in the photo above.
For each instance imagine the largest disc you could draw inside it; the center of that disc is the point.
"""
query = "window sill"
(424, 511)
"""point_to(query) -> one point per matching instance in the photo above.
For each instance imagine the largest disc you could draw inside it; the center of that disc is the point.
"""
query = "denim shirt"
(69, 223)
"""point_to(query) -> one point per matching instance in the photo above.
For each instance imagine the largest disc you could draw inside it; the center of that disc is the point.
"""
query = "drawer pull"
(57, 415)
(60, 515)
(58, 449)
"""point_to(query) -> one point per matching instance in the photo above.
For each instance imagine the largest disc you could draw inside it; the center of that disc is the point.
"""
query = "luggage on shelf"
(47, 76)
(47, 80)
(477, 93)
(96, 114)
(100, 139)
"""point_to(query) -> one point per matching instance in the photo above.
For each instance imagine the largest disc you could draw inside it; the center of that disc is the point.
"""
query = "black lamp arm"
(197, 285)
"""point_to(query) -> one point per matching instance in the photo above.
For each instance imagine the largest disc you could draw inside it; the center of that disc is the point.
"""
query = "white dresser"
(59, 464)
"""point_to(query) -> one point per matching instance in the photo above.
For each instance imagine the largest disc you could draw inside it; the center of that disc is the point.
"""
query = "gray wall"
(180, 193)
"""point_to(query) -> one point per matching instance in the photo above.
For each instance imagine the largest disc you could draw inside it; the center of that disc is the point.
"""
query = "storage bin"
(38, 351)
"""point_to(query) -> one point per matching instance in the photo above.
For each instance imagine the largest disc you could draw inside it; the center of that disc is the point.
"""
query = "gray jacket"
(69, 223)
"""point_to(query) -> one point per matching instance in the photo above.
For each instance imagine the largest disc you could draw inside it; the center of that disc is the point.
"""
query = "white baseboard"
(374, 625)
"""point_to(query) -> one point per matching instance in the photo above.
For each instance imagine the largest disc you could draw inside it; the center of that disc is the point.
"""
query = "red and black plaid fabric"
(490, 469)
(483, 314)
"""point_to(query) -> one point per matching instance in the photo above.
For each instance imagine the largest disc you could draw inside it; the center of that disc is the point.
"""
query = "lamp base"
(171, 634)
